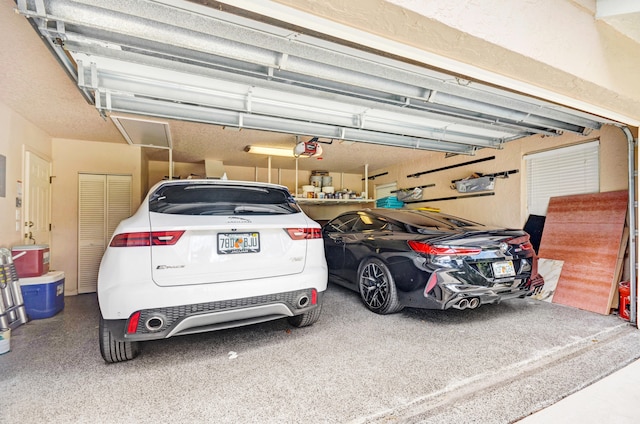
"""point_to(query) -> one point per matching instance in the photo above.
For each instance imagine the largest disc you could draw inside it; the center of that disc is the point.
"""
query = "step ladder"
(12, 310)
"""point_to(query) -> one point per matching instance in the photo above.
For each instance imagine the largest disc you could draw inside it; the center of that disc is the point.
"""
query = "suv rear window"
(216, 199)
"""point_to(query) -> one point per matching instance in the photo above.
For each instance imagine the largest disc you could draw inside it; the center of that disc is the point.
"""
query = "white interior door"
(103, 201)
(37, 198)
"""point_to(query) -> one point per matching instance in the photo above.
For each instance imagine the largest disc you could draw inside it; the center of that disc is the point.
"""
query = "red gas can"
(625, 296)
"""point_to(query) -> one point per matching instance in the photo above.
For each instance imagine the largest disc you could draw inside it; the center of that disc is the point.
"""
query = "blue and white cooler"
(43, 296)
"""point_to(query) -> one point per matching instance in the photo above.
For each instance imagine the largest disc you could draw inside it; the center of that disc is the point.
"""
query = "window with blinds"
(561, 172)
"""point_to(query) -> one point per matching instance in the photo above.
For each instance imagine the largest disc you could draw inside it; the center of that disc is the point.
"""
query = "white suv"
(203, 255)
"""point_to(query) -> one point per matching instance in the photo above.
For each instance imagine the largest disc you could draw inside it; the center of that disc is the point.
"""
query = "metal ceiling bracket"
(156, 57)
(94, 76)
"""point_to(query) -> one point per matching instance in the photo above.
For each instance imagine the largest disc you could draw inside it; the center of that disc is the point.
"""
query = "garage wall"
(556, 45)
(16, 135)
(287, 177)
(71, 157)
(508, 206)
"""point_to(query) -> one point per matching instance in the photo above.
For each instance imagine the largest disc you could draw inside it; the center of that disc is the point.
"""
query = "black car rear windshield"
(215, 199)
(428, 219)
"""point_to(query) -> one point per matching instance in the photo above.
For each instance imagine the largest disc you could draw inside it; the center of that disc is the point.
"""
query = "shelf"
(331, 202)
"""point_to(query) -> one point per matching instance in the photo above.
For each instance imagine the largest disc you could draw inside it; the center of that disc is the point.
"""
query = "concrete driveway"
(495, 364)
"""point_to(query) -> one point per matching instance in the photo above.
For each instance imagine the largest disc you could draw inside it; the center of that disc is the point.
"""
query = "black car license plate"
(503, 269)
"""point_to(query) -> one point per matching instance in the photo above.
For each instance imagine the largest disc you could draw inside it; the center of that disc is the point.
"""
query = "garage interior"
(85, 85)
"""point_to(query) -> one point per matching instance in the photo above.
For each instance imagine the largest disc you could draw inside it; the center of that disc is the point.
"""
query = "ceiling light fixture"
(270, 151)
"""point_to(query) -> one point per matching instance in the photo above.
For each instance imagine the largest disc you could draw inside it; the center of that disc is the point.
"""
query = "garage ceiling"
(188, 62)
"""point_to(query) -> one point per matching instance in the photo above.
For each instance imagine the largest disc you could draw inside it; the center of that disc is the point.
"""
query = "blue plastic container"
(43, 296)
(390, 202)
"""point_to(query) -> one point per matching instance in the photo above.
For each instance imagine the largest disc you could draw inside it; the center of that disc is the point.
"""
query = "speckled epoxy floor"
(495, 364)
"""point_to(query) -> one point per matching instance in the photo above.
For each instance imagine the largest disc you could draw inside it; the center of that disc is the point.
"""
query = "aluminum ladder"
(12, 310)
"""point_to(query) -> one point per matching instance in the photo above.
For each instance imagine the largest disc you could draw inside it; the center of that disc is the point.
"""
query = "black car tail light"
(304, 233)
(521, 242)
(156, 238)
(438, 250)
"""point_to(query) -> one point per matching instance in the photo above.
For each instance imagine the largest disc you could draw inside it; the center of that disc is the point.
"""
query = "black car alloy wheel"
(377, 288)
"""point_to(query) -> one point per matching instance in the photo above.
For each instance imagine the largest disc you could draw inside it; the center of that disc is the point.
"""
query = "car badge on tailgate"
(237, 220)
(169, 266)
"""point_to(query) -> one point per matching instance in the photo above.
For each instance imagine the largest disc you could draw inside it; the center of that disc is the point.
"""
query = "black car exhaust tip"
(462, 304)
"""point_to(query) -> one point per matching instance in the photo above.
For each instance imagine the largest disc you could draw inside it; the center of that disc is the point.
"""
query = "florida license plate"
(229, 243)
(503, 269)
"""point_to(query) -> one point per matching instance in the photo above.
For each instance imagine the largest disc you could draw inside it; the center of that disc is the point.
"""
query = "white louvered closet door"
(104, 200)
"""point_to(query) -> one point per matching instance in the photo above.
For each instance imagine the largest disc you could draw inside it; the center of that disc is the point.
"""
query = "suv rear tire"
(306, 319)
(113, 350)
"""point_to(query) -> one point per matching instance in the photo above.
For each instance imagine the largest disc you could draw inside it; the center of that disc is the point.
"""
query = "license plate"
(503, 269)
(229, 243)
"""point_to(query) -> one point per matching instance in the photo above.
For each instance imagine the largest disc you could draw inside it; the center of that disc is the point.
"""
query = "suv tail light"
(155, 238)
(304, 233)
(436, 250)
(132, 325)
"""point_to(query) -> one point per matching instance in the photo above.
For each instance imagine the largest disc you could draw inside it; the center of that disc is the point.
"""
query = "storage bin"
(43, 296)
(31, 260)
(390, 202)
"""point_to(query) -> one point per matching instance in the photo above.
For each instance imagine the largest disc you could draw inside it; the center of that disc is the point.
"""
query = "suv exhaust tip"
(154, 323)
(302, 301)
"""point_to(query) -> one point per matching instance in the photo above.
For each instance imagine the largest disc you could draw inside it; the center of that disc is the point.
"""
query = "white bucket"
(5, 340)
(316, 180)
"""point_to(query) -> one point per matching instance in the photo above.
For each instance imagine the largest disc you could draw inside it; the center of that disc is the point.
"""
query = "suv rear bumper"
(162, 323)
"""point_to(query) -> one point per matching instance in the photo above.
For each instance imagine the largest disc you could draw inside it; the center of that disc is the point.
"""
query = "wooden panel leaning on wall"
(589, 233)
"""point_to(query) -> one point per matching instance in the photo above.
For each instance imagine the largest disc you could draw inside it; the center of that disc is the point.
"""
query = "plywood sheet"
(585, 232)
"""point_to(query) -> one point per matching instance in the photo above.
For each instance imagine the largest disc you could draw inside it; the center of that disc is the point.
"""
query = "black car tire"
(113, 350)
(306, 319)
(377, 287)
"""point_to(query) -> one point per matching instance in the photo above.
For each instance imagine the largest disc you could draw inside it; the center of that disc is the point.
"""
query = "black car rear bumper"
(450, 292)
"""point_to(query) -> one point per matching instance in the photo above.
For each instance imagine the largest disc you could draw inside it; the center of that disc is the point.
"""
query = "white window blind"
(561, 172)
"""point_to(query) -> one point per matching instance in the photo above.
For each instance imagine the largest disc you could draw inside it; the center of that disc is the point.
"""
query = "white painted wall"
(16, 135)
(553, 46)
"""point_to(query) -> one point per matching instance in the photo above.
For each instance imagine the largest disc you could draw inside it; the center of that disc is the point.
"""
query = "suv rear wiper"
(254, 209)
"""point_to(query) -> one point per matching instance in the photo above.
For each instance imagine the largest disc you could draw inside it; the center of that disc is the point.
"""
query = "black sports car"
(401, 257)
